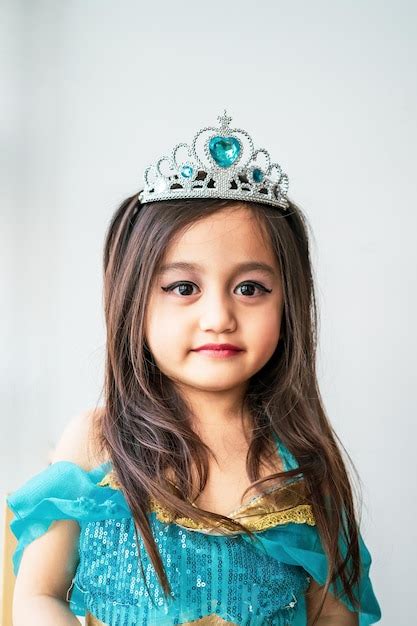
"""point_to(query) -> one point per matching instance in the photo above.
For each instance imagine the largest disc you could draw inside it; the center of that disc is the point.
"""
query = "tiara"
(225, 166)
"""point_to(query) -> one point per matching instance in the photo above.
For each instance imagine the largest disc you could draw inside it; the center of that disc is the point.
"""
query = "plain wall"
(95, 91)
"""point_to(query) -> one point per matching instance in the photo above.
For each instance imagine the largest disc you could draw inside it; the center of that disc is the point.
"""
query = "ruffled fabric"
(301, 545)
(63, 490)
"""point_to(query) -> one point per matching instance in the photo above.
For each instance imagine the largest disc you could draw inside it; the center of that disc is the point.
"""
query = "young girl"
(209, 487)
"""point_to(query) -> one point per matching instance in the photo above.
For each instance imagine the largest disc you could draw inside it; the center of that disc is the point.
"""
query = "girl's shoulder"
(67, 489)
(80, 441)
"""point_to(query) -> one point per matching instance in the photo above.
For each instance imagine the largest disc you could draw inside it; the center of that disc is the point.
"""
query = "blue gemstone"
(186, 171)
(257, 175)
(224, 150)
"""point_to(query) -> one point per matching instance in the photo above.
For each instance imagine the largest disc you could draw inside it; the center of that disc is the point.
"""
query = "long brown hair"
(145, 427)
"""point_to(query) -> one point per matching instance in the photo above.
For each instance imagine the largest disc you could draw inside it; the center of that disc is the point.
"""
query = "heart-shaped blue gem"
(224, 150)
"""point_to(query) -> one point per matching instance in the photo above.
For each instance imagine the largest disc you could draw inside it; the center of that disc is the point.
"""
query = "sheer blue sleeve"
(61, 491)
(300, 544)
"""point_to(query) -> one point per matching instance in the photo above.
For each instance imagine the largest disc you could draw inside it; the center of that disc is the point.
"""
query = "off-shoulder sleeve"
(61, 491)
(300, 544)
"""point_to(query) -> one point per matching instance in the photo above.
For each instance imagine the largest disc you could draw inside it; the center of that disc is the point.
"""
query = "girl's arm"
(49, 562)
(44, 611)
(337, 621)
(334, 612)
(45, 574)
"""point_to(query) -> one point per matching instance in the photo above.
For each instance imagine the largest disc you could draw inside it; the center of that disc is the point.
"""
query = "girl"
(209, 487)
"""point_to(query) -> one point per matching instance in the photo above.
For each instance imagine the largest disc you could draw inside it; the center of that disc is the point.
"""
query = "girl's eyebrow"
(245, 266)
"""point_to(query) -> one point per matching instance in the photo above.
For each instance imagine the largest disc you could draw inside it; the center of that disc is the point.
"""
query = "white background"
(95, 91)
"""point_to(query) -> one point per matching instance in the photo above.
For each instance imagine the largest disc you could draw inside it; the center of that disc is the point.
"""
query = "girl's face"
(204, 294)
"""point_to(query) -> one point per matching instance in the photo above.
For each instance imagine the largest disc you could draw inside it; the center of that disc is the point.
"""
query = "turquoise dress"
(226, 577)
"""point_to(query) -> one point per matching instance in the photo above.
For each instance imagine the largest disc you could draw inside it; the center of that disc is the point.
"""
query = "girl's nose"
(217, 314)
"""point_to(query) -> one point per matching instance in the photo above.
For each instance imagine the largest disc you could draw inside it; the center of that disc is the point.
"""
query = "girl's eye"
(252, 285)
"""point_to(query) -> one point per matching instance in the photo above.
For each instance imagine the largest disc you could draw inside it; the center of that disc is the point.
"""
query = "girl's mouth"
(219, 354)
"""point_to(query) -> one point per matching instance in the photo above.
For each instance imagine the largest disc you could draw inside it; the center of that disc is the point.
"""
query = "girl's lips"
(218, 346)
(219, 354)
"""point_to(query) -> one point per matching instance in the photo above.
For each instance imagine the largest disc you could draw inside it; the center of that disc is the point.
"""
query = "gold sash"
(279, 505)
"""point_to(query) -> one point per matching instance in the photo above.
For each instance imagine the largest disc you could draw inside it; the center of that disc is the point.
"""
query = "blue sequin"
(224, 575)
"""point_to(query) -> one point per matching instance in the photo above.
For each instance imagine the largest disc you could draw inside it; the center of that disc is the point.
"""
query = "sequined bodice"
(223, 574)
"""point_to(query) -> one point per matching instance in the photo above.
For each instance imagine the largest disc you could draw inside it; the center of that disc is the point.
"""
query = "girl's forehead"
(231, 238)
(237, 254)
(238, 228)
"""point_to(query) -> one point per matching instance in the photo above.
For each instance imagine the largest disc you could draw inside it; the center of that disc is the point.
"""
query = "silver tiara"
(226, 166)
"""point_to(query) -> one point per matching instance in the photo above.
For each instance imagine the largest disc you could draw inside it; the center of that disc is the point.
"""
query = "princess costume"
(215, 579)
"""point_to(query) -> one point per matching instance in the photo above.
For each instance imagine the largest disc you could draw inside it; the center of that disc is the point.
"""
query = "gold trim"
(210, 620)
(286, 503)
(91, 620)
(110, 480)
(283, 504)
